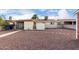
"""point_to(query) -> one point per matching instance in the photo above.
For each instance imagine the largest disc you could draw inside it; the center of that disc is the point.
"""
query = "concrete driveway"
(3, 32)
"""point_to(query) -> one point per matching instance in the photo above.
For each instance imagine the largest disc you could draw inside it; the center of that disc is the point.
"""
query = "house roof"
(40, 20)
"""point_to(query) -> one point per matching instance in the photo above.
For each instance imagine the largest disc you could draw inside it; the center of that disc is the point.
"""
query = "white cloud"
(41, 17)
(25, 16)
(2, 11)
(62, 14)
(52, 17)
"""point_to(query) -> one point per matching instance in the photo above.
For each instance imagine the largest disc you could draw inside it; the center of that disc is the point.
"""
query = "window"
(51, 22)
(74, 22)
(68, 23)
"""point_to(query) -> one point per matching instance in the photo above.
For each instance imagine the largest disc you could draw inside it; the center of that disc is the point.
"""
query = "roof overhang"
(76, 12)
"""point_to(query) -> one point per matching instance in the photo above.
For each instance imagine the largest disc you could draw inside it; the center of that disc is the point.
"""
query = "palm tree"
(35, 16)
(10, 17)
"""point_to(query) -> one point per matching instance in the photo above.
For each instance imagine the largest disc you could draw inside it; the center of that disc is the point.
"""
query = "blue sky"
(27, 13)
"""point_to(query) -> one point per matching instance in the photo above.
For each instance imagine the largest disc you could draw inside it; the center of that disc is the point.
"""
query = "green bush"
(5, 24)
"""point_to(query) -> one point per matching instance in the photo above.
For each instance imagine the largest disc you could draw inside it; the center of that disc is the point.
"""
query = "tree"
(3, 17)
(35, 16)
(1, 21)
(10, 17)
(3, 24)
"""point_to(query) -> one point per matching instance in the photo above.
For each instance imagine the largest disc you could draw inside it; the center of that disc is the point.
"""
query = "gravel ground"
(49, 39)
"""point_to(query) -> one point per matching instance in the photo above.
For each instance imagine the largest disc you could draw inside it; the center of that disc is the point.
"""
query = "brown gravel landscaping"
(49, 39)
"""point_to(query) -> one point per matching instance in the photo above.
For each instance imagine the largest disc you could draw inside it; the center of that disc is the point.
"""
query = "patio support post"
(72, 23)
(15, 26)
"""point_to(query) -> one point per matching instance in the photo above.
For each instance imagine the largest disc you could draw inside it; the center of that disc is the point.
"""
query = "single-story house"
(41, 24)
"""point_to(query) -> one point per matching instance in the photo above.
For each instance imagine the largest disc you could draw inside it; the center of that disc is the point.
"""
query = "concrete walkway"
(10, 33)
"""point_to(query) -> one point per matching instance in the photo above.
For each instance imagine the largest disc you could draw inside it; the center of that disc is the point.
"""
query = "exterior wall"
(60, 25)
(40, 26)
(70, 26)
(53, 24)
(28, 25)
(77, 31)
(49, 25)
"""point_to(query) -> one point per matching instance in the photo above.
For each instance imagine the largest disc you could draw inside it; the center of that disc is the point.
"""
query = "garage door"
(40, 26)
(28, 25)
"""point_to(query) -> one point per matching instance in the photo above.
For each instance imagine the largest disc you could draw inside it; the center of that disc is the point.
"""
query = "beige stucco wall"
(28, 25)
(70, 26)
(40, 26)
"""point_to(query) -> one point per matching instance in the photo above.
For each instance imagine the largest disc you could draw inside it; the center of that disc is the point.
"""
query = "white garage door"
(28, 25)
(40, 26)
